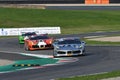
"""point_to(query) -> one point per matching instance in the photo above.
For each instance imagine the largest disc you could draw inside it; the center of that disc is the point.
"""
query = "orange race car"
(38, 42)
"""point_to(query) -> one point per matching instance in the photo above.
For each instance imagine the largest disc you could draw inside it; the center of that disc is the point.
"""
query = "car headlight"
(32, 43)
(80, 46)
(50, 42)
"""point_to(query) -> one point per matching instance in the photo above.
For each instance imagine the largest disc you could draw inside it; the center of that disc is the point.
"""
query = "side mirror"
(83, 42)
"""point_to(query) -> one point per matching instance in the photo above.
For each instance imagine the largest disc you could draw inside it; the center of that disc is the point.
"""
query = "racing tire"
(83, 54)
(26, 48)
(54, 56)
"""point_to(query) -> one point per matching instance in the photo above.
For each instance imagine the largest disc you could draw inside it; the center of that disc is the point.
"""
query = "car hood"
(69, 47)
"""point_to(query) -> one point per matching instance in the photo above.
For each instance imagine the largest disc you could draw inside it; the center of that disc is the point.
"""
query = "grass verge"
(94, 77)
(107, 43)
(70, 21)
(90, 42)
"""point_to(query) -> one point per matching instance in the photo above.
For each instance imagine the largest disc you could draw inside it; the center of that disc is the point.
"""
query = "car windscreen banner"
(38, 30)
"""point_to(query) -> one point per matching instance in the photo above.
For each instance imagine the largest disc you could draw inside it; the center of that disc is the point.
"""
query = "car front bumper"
(36, 47)
(68, 53)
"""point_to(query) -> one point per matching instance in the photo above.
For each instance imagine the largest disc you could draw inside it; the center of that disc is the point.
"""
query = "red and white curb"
(36, 55)
(61, 60)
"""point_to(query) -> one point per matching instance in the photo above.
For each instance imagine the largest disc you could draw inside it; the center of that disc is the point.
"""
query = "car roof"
(69, 38)
(39, 37)
(27, 32)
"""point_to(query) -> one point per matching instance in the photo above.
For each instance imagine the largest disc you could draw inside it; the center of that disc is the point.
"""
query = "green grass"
(91, 42)
(94, 77)
(70, 21)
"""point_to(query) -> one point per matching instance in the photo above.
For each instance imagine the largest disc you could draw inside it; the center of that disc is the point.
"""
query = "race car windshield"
(39, 37)
(28, 34)
(70, 42)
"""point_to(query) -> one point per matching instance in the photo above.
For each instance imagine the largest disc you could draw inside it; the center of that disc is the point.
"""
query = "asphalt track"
(98, 59)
